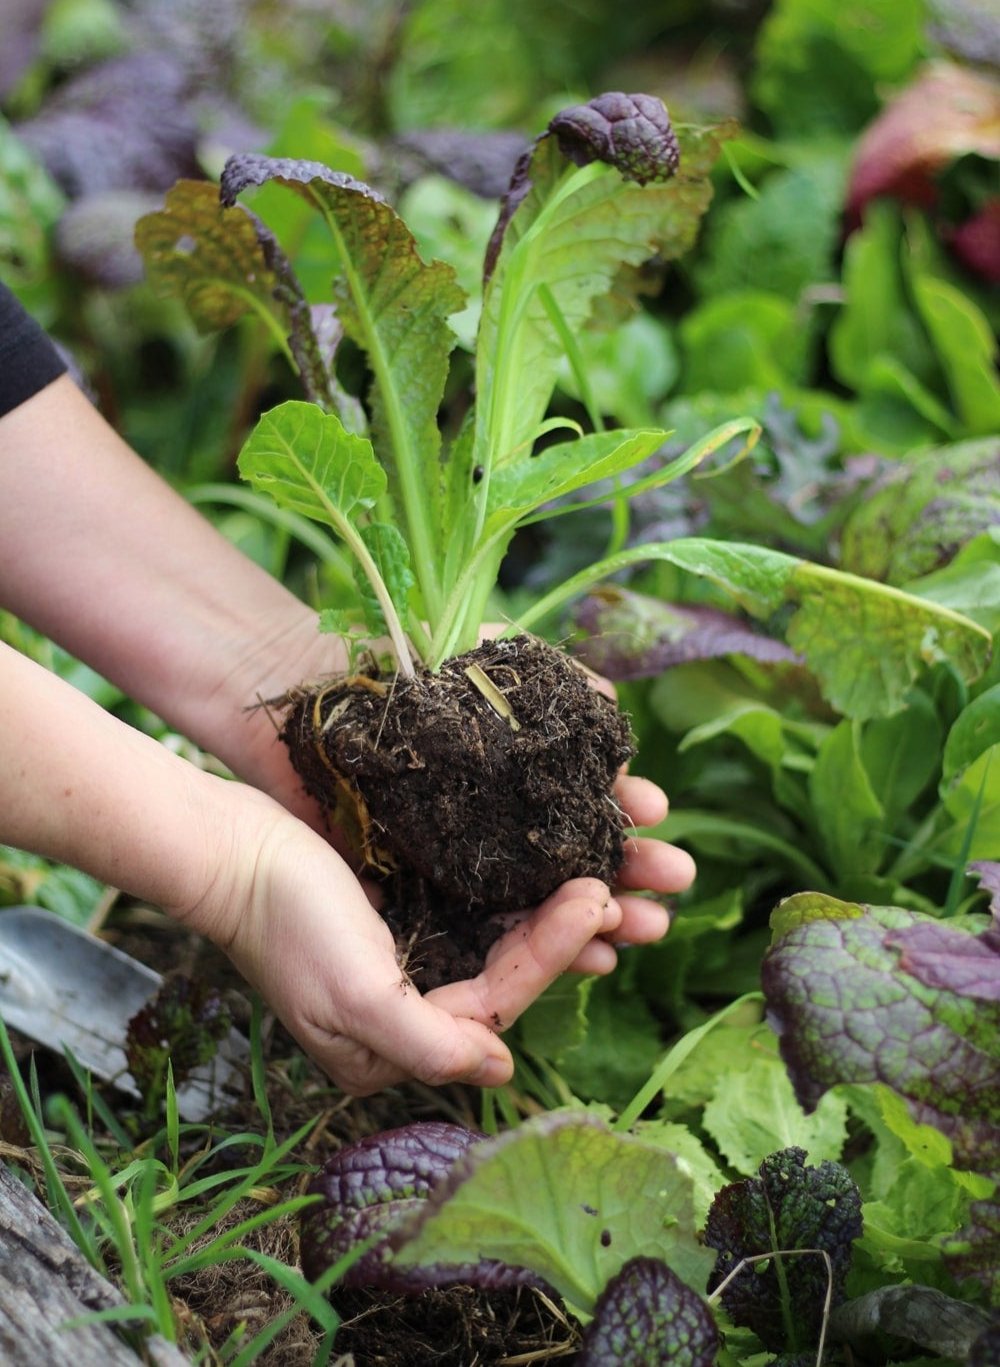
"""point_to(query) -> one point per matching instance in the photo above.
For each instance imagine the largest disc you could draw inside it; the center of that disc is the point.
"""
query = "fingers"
(533, 953)
(643, 803)
(394, 1033)
(654, 866)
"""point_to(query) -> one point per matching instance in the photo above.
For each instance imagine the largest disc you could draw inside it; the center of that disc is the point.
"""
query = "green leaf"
(30, 206)
(900, 754)
(849, 816)
(866, 643)
(575, 233)
(388, 550)
(967, 348)
(309, 463)
(820, 64)
(976, 729)
(753, 1112)
(743, 337)
(685, 1145)
(394, 306)
(970, 583)
(781, 243)
(557, 1020)
(875, 321)
(525, 484)
(565, 1197)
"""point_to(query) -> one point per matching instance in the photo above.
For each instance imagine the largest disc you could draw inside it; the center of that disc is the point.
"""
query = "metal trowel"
(67, 989)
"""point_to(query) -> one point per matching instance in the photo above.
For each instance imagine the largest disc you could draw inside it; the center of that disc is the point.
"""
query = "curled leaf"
(633, 133)
(892, 1320)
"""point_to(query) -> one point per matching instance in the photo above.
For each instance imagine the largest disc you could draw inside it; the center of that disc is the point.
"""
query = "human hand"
(297, 924)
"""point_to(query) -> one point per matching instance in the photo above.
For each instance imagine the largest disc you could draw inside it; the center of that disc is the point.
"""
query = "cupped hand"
(297, 924)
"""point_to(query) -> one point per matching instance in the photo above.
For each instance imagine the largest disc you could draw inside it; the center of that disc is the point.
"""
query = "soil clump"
(469, 792)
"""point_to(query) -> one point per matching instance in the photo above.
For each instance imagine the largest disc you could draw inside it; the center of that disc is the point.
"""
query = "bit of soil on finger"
(470, 792)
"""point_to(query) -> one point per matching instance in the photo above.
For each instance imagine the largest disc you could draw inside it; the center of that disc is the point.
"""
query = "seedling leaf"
(394, 306)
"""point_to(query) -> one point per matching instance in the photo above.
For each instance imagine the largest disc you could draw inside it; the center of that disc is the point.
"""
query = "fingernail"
(493, 1072)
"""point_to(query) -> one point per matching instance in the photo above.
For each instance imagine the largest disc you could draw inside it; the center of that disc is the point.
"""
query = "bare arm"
(101, 555)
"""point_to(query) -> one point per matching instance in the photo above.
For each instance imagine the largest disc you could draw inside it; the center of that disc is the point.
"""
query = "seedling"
(486, 771)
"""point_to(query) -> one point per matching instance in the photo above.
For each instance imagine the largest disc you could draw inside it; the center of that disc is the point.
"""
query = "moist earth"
(469, 792)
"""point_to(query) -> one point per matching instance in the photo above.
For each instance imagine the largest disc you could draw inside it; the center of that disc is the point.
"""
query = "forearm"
(101, 555)
(80, 787)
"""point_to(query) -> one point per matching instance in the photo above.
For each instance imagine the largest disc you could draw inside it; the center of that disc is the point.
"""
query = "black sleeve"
(28, 359)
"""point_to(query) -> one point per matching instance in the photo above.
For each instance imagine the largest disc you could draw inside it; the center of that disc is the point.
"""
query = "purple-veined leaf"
(788, 1207)
(988, 873)
(633, 636)
(368, 1188)
(848, 1008)
(921, 511)
(646, 1316)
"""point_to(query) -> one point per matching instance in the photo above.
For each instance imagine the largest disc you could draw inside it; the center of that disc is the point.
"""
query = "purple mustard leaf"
(632, 133)
(789, 1206)
(973, 1252)
(988, 874)
(248, 170)
(125, 124)
(940, 956)
(848, 1006)
(645, 1316)
(368, 1188)
(632, 636)
(481, 161)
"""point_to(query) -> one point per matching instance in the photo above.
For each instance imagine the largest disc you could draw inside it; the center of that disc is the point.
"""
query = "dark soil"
(458, 1326)
(478, 789)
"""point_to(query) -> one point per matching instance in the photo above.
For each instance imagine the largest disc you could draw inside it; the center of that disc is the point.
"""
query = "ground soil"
(470, 792)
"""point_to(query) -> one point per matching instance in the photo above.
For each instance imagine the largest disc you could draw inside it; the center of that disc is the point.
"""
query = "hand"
(297, 924)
